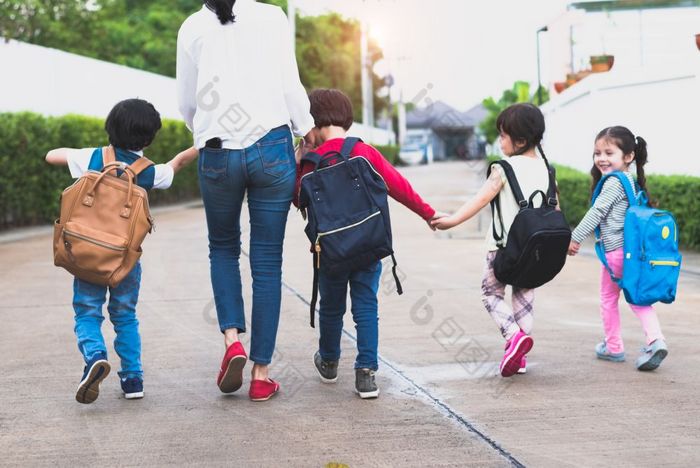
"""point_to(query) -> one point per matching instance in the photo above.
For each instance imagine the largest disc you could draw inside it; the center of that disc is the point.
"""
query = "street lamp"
(539, 77)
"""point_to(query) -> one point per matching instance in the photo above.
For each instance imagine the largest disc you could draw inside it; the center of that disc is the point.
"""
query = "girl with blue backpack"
(619, 204)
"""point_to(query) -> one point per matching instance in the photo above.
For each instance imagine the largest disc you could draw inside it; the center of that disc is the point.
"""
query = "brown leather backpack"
(104, 219)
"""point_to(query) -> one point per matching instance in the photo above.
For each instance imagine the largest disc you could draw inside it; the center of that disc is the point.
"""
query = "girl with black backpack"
(521, 128)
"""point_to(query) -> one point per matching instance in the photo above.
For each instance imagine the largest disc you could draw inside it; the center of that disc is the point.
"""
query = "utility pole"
(367, 91)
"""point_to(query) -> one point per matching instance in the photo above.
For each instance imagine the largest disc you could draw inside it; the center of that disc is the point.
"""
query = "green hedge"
(677, 194)
(390, 152)
(30, 188)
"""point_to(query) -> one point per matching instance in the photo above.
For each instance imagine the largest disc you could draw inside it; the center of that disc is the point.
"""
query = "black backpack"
(345, 200)
(538, 240)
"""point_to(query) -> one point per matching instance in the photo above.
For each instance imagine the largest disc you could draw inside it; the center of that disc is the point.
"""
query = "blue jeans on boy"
(266, 171)
(364, 285)
(88, 299)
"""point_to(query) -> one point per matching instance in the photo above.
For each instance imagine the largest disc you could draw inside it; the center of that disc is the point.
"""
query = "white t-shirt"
(532, 175)
(79, 161)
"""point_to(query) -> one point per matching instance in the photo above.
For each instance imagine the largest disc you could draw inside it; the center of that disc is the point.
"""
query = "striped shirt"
(608, 212)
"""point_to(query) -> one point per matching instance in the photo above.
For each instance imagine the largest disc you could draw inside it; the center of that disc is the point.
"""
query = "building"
(653, 87)
(450, 134)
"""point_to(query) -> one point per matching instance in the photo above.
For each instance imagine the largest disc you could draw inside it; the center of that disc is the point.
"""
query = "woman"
(239, 91)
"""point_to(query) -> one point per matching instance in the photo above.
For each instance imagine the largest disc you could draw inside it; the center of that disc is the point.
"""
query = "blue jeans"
(364, 285)
(88, 299)
(266, 171)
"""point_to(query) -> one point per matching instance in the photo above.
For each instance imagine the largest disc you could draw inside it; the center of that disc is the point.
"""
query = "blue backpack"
(345, 200)
(652, 261)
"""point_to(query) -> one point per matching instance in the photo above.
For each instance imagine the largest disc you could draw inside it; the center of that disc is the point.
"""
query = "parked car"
(416, 150)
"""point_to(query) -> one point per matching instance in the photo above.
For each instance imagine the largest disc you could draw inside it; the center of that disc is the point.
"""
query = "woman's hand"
(574, 248)
(435, 217)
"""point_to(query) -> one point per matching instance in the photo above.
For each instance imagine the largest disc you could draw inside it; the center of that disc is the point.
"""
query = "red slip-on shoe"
(263, 390)
(231, 373)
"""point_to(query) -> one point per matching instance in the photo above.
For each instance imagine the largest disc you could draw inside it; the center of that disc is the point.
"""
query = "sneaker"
(601, 351)
(327, 370)
(263, 390)
(516, 349)
(132, 387)
(652, 356)
(365, 386)
(523, 366)
(94, 373)
(230, 376)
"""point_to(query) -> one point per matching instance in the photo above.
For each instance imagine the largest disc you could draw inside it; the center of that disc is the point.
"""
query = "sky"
(457, 51)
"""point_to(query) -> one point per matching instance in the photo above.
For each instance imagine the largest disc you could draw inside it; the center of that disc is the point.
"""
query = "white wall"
(637, 38)
(53, 82)
(660, 104)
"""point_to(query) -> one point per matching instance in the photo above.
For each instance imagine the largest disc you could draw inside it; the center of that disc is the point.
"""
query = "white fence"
(53, 82)
(661, 105)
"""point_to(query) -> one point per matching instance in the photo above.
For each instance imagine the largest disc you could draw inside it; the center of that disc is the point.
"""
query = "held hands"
(442, 221)
(574, 248)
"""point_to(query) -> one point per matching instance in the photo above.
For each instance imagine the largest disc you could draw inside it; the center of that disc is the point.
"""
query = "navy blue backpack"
(345, 201)
(652, 261)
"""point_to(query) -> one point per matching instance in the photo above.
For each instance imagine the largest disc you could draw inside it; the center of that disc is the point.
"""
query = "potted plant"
(571, 79)
(602, 63)
(697, 41)
(560, 86)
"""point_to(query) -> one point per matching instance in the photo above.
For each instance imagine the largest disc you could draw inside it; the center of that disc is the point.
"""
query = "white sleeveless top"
(532, 175)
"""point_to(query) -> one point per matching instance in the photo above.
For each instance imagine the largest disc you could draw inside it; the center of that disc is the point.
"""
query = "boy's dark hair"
(624, 139)
(522, 122)
(132, 124)
(223, 9)
(331, 107)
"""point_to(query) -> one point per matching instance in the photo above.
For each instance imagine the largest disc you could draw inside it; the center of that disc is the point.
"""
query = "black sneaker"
(365, 386)
(327, 370)
(132, 387)
(94, 373)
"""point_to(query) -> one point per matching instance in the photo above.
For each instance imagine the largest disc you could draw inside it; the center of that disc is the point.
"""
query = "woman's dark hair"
(624, 139)
(522, 122)
(132, 124)
(223, 9)
(331, 107)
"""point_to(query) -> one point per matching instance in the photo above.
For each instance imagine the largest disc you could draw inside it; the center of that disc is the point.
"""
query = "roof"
(439, 115)
(608, 5)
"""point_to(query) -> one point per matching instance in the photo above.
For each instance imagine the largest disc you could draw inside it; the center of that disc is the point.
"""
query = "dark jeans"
(364, 285)
(265, 171)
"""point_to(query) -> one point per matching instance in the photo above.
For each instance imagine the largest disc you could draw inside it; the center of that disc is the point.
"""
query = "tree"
(520, 92)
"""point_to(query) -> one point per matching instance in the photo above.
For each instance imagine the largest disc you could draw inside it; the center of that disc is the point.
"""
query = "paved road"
(442, 403)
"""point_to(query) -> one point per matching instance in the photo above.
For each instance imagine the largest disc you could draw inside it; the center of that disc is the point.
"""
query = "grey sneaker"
(365, 386)
(327, 370)
(652, 356)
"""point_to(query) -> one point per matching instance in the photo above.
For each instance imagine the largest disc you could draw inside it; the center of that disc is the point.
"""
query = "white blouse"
(240, 80)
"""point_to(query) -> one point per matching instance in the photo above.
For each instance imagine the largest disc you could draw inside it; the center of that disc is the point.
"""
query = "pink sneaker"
(516, 349)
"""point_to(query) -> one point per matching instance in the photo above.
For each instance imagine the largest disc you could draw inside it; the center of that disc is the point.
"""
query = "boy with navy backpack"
(637, 245)
(342, 188)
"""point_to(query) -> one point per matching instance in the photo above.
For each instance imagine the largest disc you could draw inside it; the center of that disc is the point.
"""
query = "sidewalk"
(442, 403)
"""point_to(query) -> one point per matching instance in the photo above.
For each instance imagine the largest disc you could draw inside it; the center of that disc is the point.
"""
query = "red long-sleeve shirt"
(398, 187)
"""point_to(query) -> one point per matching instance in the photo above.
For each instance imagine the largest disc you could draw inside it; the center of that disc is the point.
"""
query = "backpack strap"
(631, 198)
(496, 202)
(348, 146)
(314, 290)
(140, 165)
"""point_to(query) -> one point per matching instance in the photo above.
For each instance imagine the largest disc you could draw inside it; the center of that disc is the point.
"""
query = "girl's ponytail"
(223, 9)
(640, 159)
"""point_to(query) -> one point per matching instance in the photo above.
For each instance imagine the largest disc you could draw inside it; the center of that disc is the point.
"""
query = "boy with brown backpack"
(104, 219)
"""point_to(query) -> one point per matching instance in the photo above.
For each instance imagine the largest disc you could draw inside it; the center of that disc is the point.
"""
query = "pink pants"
(610, 312)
